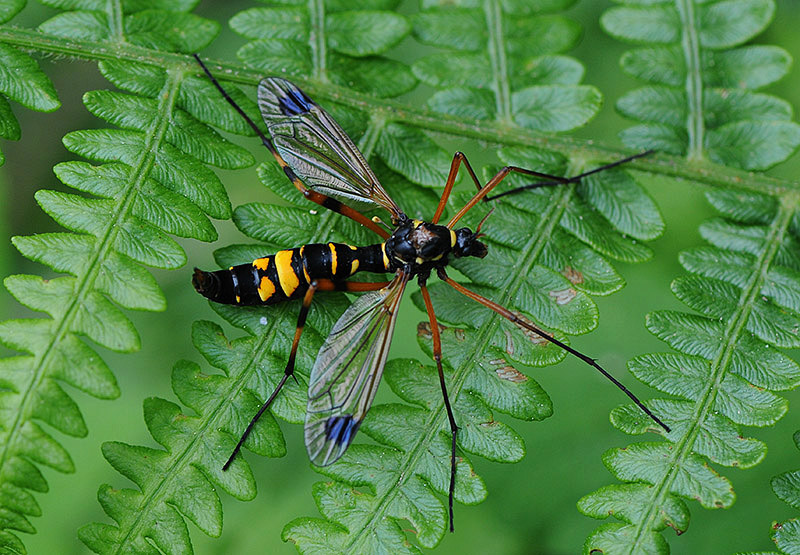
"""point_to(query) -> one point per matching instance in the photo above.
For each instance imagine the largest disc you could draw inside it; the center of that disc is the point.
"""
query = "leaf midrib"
(317, 40)
(529, 255)
(719, 366)
(497, 59)
(695, 121)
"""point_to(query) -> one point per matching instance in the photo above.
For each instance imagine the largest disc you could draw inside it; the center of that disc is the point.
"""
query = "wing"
(348, 370)
(316, 148)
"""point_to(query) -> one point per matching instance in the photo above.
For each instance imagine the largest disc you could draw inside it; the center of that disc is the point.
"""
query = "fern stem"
(719, 366)
(5, 219)
(497, 58)
(153, 138)
(695, 124)
(319, 55)
(706, 173)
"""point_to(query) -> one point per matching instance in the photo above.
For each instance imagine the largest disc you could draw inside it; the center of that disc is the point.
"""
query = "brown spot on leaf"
(509, 343)
(511, 374)
(537, 339)
(563, 296)
(573, 275)
(424, 331)
(532, 335)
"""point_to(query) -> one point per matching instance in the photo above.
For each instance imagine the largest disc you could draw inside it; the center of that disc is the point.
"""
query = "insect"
(323, 162)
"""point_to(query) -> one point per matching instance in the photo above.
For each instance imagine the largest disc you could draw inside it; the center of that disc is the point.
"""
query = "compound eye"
(463, 238)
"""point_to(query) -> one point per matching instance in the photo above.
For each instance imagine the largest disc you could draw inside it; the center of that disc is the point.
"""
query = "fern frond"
(179, 482)
(701, 101)
(151, 182)
(345, 65)
(504, 64)
(744, 286)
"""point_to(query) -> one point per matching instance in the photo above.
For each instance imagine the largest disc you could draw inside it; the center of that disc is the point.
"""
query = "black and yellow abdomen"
(287, 274)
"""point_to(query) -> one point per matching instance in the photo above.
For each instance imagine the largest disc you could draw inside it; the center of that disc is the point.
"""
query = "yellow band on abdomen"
(303, 262)
(286, 276)
(261, 263)
(334, 260)
(266, 289)
(385, 256)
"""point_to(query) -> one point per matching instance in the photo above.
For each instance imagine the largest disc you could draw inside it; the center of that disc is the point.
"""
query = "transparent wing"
(348, 370)
(316, 148)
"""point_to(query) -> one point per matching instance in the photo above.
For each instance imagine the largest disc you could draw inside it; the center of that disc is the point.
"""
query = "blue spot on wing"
(341, 429)
(295, 102)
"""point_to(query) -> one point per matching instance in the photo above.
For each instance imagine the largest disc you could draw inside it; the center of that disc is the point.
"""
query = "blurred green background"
(531, 505)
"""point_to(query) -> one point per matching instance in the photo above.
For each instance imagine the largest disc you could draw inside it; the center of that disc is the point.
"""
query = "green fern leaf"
(412, 154)
(154, 183)
(743, 286)
(518, 66)
(690, 110)
(503, 81)
(348, 52)
(21, 80)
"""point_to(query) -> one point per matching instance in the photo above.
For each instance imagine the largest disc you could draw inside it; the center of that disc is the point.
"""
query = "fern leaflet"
(506, 81)
(152, 182)
(744, 286)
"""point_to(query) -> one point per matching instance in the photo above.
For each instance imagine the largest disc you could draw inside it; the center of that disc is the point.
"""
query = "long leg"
(458, 158)
(523, 322)
(573, 179)
(321, 285)
(313, 196)
(437, 356)
(493, 182)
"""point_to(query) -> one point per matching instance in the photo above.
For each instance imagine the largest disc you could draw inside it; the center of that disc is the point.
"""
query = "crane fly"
(324, 164)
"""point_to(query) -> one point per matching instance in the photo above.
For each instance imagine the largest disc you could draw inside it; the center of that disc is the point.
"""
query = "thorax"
(420, 245)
